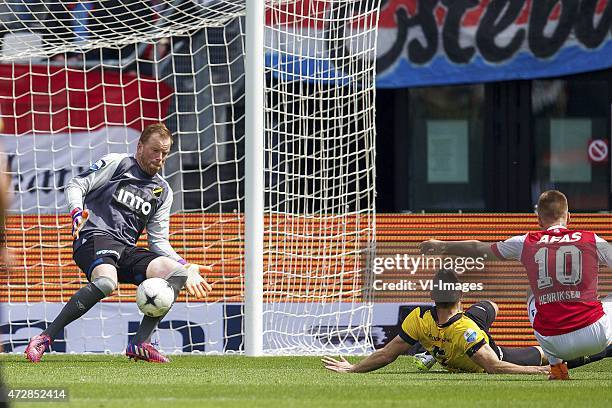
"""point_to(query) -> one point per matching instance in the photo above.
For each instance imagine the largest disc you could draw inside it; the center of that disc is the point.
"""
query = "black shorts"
(483, 314)
(131, 262)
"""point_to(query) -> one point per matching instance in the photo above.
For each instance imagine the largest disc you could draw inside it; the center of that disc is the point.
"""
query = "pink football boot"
(146, 352)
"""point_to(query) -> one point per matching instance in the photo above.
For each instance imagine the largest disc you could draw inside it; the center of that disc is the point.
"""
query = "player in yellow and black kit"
(454, 343)
(458, 340)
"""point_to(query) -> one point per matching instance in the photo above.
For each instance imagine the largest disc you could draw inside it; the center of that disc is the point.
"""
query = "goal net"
(79, 80)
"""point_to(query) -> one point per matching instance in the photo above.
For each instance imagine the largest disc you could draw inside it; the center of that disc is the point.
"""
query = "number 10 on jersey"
(566, 257)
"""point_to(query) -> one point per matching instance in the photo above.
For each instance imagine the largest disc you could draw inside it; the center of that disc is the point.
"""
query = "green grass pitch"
(96, 381)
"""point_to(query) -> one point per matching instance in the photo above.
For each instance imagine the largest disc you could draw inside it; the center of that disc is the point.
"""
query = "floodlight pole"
(254, 177)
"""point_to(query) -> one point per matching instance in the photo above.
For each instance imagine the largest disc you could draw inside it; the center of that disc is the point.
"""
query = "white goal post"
(254, 179)
(271, 104)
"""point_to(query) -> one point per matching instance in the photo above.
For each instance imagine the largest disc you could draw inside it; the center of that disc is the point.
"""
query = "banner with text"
(435, 42)
(57, 121)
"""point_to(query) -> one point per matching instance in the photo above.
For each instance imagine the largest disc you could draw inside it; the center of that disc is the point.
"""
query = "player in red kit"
(562, 266)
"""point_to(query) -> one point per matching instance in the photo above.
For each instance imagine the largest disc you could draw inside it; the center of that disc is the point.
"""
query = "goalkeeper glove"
(79, 217)
(196, 285)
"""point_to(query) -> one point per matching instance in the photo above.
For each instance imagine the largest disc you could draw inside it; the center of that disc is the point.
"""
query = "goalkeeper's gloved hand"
(196, 285)
(79, 217)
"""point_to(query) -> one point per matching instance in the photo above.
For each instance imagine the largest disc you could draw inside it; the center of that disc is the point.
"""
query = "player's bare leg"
(140, 347)
(103, 283)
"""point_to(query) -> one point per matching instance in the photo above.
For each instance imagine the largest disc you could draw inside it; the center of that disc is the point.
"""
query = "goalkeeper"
(111, 204)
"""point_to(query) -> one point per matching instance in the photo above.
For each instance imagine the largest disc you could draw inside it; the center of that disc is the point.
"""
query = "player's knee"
(105, 266)
(104, 275)
(162, 267)
(105, 284)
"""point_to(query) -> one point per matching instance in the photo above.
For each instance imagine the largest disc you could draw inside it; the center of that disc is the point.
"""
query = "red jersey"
(562, 266)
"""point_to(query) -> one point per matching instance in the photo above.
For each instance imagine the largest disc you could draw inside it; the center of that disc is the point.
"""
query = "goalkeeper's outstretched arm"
(374, 361)
(158, 233)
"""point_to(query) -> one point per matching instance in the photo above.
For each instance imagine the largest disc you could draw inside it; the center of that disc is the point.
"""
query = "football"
(154, 297)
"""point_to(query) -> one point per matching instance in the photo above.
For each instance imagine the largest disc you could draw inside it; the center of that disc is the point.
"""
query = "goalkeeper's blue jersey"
(122, 201)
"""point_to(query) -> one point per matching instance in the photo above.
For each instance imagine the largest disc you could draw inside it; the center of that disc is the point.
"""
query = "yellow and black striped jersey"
(452, 343)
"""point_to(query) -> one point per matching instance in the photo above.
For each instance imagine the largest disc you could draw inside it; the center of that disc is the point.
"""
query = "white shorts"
(587, 341)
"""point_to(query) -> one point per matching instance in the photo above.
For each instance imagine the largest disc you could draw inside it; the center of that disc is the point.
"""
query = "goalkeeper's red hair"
(552, 209)
(153, 128)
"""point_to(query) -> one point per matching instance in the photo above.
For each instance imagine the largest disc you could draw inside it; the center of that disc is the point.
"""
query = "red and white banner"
(437, 42)
(57, 121)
